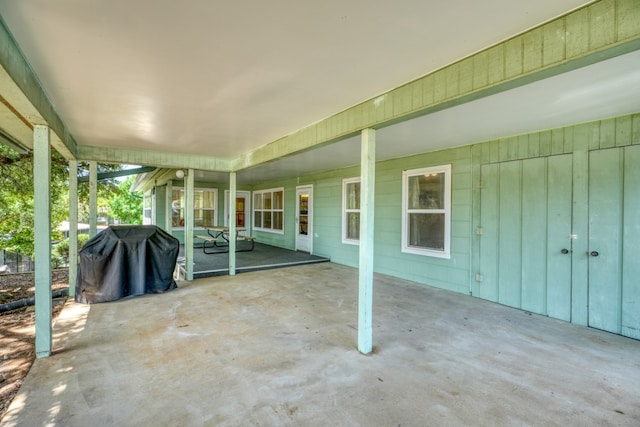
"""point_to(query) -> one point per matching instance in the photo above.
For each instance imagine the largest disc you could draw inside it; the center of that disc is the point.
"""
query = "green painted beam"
(30, 102)
(599, 31)
(42, 233)
(153, 158)
(116, 174)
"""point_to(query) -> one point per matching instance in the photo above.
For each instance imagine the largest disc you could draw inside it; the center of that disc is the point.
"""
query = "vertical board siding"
(534, 235)
(605, 227)
(509, 234)
(559, 216)
(526, 221)
(631, 246)
(487, 286)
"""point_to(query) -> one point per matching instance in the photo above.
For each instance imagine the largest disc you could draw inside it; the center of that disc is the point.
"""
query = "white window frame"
(346, 211)
(272, 210)
(214, 209)
(148, 200)
(406, 248)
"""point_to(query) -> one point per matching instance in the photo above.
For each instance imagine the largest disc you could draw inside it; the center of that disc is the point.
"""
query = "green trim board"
(598, 31)
(30, 102)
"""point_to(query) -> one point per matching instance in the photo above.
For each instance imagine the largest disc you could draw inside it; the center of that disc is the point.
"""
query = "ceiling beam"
(599, 31)
(26, 99)
(116, 174)
(153, 158)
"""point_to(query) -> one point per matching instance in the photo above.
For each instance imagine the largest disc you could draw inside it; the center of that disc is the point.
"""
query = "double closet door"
(529, 256)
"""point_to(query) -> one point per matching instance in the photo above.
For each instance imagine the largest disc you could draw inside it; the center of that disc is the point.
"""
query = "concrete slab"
(278, 348)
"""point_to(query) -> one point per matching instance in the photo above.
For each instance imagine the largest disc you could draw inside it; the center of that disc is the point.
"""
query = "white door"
(304, 219)
(242, 210)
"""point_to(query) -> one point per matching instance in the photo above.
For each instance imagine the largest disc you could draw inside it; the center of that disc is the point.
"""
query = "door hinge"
(480, 184)
(479, 231)
(479, 277)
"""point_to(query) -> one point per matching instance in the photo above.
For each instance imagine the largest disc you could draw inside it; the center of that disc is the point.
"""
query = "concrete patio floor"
(277, 348)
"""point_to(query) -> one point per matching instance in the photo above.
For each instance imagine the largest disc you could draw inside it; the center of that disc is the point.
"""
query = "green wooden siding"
(631, 246)
(525, 223)
(614, 232)
(559, 217)
(515, 203)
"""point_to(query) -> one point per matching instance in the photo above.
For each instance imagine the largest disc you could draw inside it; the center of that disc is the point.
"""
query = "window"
(268, 210)
(147, 206)
(204, 207)
(351, 210)
(426, 211)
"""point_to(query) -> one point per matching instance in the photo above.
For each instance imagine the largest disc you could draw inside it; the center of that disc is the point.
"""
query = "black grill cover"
(126, 260)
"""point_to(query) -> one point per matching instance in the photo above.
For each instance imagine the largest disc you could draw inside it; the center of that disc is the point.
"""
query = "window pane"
(277, 221)
(267, 220)
(257, 201)
(209, 200)
(353, 226)
(426, 231)
(257, 219)
(266, 199)
(353, 195)
(426, 191)
(197, 217)
(278, 196)
(197, 199)
(207, 218)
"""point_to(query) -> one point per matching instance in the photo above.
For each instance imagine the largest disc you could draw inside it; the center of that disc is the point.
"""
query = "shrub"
(62, 249)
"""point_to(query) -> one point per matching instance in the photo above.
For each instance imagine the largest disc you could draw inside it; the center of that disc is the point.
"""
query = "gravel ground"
(17, 339)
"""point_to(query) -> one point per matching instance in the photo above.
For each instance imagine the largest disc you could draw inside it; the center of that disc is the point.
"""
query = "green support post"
(365, 283)
(73, 226)
(168, 218)
(93, 199)
(188, 222)
(42, 233)
(232, 223)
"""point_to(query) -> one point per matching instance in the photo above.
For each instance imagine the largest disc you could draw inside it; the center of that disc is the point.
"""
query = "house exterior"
(517, 204)
(542, 219)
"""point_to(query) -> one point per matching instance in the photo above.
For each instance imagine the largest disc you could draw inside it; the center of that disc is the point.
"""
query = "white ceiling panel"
(222, 78)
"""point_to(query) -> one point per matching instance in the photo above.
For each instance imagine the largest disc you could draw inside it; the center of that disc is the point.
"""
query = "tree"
(125, 206)
(16, 196)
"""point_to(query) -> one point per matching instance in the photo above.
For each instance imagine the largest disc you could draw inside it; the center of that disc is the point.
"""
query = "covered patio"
(277, 348)
(261, 257)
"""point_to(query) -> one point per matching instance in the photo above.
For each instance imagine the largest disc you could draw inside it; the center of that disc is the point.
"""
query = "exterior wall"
(160, 212)
(287, 239)
(161, 200)
(457, 273)
(576, 140)
(601, 30)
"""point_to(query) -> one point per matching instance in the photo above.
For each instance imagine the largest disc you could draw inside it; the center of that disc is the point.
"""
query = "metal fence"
(11, 262)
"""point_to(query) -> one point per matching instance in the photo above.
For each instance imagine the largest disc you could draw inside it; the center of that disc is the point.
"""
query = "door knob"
(565, 251)
(594, 253)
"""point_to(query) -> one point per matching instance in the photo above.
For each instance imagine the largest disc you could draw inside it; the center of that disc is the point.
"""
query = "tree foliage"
(17, 195)
(125, 206)
(16, 198)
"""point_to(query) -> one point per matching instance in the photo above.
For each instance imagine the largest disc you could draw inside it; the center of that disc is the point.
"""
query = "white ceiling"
(606, 89)
(222, 78)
